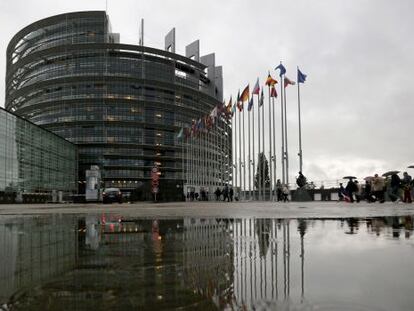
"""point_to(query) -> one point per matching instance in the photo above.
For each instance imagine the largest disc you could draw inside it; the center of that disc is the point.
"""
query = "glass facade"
(33, 159)
(123, 105)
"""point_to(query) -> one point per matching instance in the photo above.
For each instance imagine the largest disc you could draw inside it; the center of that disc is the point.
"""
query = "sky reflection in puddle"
(109, 262)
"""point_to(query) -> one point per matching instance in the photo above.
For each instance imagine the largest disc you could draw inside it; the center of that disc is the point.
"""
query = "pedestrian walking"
(395, 184)
(341, 192)
(279, 190)
(358, 193)
(407, 183)
(231, 193)
(217, 193)
(285, 193)
(350, 189)
(226, 193)
(378, 184)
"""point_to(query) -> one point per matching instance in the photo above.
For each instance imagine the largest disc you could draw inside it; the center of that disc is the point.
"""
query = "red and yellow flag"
(270, 81)
(229, 105)
(245, 94)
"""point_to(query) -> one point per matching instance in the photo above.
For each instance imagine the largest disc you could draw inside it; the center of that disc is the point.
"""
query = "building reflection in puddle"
(109, 262)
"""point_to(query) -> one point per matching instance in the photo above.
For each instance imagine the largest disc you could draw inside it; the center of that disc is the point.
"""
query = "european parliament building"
(122, 105)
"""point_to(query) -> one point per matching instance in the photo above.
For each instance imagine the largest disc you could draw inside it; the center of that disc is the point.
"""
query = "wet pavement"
(215, 256)
(313, 209)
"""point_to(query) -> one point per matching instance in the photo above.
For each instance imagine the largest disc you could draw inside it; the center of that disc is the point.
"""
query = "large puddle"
(108, 262)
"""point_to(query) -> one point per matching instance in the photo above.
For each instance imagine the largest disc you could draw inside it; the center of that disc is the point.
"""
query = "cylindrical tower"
(123, 105)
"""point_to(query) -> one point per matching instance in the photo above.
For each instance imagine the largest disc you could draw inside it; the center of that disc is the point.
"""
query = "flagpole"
(248, 137)
(240, 154)
(282, 130)
(244, 156)
(182, 158)
(300, 130)
(274, 148)
(230, 151)
(192, 158)
(209, 157)
(250, 159)
(199, 158)
(234, 163)
(263, 181)
(286, 142)
(259, 173)
(202, 158)
(190, 180)
(270, 149)
(221, 151)
(253, 160)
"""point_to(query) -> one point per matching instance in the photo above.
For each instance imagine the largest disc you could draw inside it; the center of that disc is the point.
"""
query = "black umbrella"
(389, 173)
(349, 177)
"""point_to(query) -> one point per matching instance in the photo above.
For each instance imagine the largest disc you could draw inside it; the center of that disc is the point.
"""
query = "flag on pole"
(256, 89)
(239, 103)
(250, 106)
(221, 108)
(261, 99)
(301, 77)
(233, 110)
(288, 81)
(240, 106)
(273, 92)
(229, 106)
(245, 94)
(213, 113)
(282, 69)
(180, 133)
(270, 81)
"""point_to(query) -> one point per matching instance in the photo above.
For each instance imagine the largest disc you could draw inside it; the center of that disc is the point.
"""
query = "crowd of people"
(376, 188)
(224, 195)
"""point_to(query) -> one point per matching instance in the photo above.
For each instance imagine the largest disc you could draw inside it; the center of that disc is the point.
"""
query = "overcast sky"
(356, 105)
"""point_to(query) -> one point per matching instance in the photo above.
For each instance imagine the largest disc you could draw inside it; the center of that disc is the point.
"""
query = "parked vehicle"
(112, 195)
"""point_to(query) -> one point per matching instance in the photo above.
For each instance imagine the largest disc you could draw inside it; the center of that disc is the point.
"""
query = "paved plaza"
(313, 209)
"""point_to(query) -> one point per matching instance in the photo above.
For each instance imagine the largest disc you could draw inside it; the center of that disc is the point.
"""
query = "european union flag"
(282, 70)
(301, 77)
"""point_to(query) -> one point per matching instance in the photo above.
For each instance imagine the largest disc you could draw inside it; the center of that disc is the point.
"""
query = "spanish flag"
(245, 94)
(270, 81)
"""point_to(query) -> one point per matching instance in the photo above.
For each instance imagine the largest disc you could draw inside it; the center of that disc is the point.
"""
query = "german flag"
(245, 94)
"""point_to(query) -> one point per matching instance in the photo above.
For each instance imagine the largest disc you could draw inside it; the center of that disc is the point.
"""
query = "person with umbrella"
(395, 187)
(350, 189)
(407, 186)
(341, 192)
(378, 188)
(367, 190)
(301, 180)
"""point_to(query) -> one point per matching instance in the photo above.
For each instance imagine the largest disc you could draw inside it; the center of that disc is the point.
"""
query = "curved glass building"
(123, 105)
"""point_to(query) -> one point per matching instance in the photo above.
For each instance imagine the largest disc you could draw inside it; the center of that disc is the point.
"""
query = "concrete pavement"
(313, 209)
